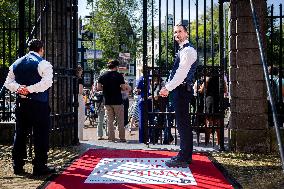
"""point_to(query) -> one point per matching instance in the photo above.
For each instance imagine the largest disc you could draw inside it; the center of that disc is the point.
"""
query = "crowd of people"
(132, 110)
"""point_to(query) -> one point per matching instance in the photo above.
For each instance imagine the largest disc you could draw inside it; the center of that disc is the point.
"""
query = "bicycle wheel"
(92, 120)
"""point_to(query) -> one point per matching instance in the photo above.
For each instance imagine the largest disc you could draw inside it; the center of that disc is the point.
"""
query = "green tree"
(167, 54)
(273, 39)
(118, 25)
(195, 40)
(216, 35)
(9, 15)
(9, 11)
(115, 24)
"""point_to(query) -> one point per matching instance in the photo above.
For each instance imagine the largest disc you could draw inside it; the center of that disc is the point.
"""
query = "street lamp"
(90, 53)
(94, 36)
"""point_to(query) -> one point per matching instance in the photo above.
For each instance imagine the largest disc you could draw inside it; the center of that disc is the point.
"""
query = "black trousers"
(181, 100)
(31, 116)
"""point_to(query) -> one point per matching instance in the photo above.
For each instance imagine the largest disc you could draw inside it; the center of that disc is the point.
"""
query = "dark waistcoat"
(26, 73)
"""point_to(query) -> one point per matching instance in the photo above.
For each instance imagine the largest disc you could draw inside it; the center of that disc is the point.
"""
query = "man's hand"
(156, 97)
(22, 90)
(164, 92)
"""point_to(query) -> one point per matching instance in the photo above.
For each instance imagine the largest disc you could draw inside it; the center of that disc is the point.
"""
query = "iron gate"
(275, 58)
(206, 33)
(54, 22)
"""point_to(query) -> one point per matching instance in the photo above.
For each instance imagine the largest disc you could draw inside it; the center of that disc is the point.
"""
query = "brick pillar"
(247, 88)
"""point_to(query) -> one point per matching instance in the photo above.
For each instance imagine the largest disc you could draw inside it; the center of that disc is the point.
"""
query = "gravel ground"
(57, 158)
(253, 170)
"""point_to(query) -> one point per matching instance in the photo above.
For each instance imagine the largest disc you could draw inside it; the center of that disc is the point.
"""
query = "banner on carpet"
(139, 171)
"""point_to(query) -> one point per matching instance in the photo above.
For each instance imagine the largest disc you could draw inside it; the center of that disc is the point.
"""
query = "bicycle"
(92, 110)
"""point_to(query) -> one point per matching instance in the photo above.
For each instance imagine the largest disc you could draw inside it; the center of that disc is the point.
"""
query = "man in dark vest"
(30, 77)
(180, 83)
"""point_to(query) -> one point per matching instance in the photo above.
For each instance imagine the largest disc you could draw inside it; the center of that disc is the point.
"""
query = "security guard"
(30, 77)
(180, 83)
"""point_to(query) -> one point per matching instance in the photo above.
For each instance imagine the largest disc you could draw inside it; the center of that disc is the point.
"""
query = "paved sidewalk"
(91, 141)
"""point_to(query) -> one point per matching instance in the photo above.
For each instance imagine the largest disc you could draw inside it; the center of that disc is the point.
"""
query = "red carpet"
(137, 169)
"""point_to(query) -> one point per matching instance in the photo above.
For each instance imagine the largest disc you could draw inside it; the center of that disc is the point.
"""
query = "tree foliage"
(273, 39)
(197, 36)
(115, 25)
(9, 15)
(118, 26)
(167, 48)
(8, 10)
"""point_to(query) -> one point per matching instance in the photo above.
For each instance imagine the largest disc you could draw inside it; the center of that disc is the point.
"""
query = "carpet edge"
(224, 171)
(52, 177)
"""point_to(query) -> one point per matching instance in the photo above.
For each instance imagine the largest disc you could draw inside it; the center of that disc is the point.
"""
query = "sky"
(83, 10)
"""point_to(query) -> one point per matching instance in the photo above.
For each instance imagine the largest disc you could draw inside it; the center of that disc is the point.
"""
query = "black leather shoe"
(178, 157)
(122, 140)
(177, 163)
(175, 157)
(43, 171)
(18, 170)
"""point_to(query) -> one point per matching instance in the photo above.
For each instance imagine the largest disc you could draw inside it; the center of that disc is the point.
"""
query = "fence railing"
(268, 84)
(159, 49)
(55, 23)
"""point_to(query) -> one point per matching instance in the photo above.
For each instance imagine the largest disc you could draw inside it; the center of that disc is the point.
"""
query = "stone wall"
(248, 120)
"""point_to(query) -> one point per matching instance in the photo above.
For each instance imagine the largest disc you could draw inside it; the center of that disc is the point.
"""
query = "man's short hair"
(182, 25)
(35, 45)
(112, 64)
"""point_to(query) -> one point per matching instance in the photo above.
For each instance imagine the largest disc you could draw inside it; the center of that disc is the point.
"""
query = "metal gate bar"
(55, 22)
(153, 63)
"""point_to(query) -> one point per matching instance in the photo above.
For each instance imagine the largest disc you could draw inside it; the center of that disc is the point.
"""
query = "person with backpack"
(180, 83)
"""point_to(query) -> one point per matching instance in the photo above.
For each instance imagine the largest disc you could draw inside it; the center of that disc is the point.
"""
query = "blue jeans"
(141, 104)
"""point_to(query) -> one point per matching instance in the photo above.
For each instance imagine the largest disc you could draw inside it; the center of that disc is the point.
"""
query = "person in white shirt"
(181, 84)
(30, 77)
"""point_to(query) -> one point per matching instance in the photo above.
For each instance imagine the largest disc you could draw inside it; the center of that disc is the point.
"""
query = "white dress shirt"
(44, 69)
(188, 56)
